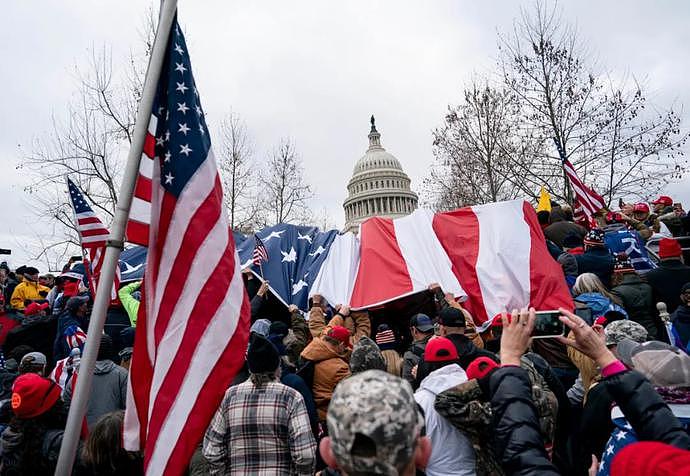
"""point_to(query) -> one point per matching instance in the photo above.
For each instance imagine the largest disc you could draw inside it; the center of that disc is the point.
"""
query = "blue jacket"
(681, 324)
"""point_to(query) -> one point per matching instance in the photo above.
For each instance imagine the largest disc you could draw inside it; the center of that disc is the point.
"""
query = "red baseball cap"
(641, 207)
(440, 349)
(35, 308)
(340, 334)
(669, 248)
(663, 200)
(480, 367)
(33, 395)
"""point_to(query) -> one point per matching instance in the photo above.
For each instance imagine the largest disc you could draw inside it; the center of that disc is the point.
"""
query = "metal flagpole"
(115, 244)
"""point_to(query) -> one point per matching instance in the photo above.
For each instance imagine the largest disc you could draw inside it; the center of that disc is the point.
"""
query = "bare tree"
(478, 158)
(238, 172)
(285, 192)
(603, 127)
(87, 144)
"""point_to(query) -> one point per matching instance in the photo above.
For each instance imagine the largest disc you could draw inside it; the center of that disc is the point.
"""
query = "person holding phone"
(517, 439)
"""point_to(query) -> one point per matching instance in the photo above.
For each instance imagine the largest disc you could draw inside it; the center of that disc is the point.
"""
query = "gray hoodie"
(108, 391)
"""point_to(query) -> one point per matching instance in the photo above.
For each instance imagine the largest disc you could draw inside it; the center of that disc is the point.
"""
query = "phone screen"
(585, 314)
(548, 324)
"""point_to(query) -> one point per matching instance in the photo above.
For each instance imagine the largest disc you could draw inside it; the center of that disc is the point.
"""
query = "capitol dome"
(378, 187)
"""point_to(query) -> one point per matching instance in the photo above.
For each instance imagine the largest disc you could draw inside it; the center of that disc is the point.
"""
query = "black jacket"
(666, 281)
(645, 410)
(598, 261)
(517, 435)
(636, 298)
(467, 351)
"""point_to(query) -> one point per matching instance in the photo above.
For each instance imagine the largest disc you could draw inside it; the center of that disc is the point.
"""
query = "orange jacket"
(330, 367)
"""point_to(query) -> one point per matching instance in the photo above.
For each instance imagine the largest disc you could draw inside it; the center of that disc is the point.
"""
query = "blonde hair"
(590, 283)
(394, 362)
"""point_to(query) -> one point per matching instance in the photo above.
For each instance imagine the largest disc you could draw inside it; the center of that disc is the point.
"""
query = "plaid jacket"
(260, 431)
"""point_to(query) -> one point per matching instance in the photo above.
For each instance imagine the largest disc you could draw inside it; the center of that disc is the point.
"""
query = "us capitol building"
(378, 186)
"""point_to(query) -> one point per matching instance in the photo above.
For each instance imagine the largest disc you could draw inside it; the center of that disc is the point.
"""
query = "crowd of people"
(334, 392)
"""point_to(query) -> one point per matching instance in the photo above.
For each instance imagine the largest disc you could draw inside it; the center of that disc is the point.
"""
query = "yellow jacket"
(26, 290)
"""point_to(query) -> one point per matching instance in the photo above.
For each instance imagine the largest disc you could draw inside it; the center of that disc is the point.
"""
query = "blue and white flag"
(632, 244)
(295, 253)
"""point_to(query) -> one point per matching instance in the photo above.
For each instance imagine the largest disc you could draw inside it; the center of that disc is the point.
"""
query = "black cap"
(262, 356)
(30, 270)
(451, 317)
(278, 328)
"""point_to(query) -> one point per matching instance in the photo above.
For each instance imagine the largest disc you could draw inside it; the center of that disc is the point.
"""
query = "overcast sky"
(315, 71)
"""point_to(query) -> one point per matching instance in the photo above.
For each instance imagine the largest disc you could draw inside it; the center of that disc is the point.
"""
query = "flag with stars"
(296, 256)
(92, 235)
(193, 321)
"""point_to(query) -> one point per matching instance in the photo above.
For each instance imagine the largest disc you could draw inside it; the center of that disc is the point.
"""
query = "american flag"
(260, 253)
(193, 323)
(92, 234)
(588, 199)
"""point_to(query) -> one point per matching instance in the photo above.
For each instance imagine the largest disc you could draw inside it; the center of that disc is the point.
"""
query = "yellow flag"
(544, 201)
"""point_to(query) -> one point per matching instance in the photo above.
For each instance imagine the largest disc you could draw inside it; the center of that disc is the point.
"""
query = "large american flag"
(193, 323)
(590, 201)
(92, 234)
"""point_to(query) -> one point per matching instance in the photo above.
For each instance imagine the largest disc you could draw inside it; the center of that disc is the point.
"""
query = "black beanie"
(278, 328)
(262, 356)
(105, 350)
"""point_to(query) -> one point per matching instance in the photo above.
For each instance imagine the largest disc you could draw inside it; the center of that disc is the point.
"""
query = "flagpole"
(115, 243)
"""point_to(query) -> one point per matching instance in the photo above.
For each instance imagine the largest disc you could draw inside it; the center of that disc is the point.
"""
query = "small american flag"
(92, 234)
(588, 199)
(260, 253)
(191, 334)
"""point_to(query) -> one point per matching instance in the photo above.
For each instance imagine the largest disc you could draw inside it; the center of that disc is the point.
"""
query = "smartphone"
(547, 325)
(585, 313)
(76, 258)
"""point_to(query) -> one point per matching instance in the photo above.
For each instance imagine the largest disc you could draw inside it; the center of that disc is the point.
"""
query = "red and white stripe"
(588, 199)
(96, 259)
(492, 256)
(191, 333)
(91, 229)
(140, 210)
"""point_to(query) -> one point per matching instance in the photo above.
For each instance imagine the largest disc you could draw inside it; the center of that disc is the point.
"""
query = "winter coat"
(357, 323)
(27, 290)
(412, 357)
(681, 324)
(516, 433)
(12, 452)
(129, 302)
(558, 230)
(598, 261)
(636, 297)
(467, 350)
(330, 367)
(451, 451)
(645, 410)
(667, 280)
(466, 407)
(108, 391)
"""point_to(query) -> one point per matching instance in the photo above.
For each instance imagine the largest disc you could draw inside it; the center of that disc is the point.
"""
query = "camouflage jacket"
(465, 407)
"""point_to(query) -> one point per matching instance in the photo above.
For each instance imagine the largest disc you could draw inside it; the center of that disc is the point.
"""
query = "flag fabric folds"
(193, 323)
(295, 255)
(260, 253)
(492, 256)
(587, 199)
(93, 235)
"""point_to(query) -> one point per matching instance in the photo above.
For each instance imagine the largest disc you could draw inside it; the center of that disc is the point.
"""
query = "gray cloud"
(315, 71)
